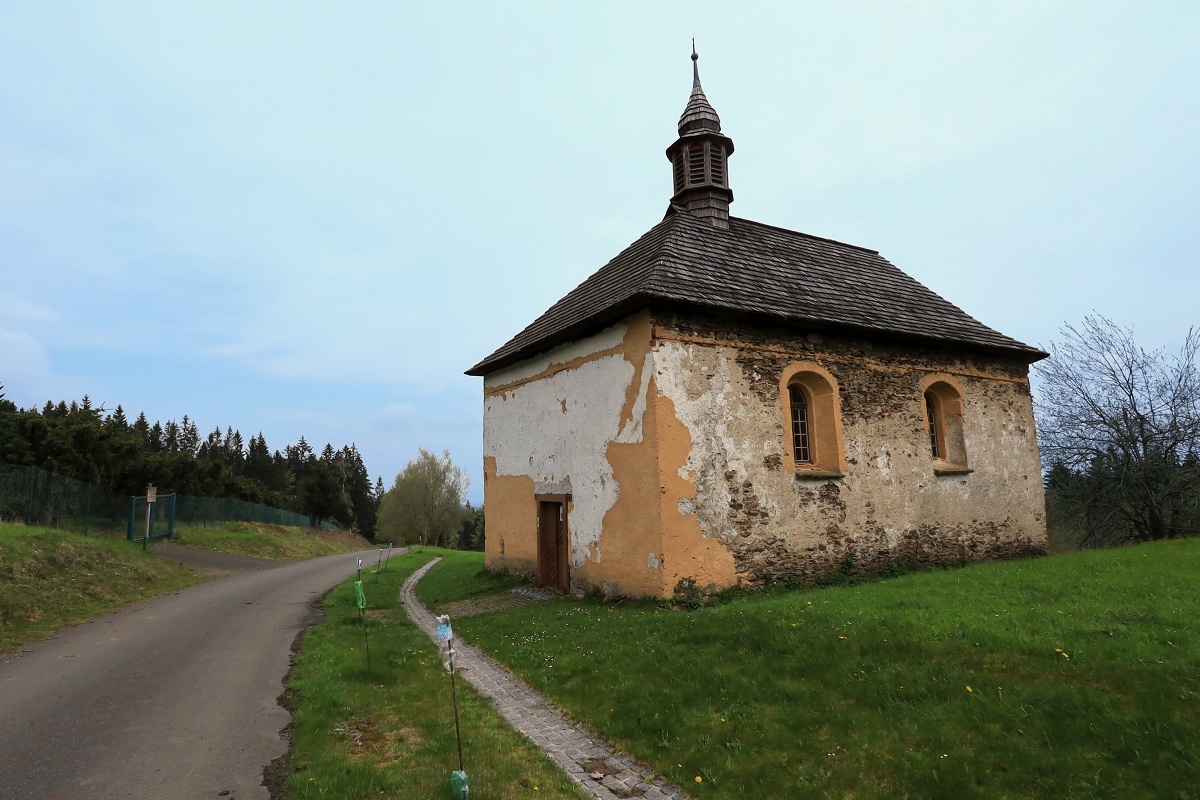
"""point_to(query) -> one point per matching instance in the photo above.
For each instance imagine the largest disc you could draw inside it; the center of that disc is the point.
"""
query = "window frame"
(945, 429)
(823, 417)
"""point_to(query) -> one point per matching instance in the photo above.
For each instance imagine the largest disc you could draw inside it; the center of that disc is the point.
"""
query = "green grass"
(50, 579)
(461, 576)
(1071, 676)
(391, 734)
(270, 541)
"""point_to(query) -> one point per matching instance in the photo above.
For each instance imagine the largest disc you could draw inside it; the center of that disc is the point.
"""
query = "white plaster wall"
(606, 339)
(556, 429)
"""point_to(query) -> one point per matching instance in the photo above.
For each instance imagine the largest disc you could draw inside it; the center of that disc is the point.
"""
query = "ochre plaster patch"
(686, 551)
(631, 529)
(510, 512)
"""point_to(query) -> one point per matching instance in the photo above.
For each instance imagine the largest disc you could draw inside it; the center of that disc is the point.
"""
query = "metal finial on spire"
(698, 115)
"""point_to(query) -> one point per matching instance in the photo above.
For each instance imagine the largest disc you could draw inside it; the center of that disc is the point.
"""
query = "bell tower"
(700, 158)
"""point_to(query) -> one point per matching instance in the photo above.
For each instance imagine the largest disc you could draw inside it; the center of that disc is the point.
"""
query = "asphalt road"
(175, 697)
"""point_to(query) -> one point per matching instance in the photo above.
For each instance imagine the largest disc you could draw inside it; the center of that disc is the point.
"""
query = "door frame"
(560, 545)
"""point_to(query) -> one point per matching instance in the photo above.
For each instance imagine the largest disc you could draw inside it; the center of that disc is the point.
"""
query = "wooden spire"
(699, 158)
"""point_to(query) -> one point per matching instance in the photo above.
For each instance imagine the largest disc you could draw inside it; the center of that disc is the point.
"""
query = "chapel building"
(727, 401)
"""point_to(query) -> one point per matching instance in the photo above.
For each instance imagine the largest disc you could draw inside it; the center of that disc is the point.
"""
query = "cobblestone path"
(577, 751)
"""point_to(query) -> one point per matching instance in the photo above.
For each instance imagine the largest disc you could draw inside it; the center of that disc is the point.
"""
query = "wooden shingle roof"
(770, 274)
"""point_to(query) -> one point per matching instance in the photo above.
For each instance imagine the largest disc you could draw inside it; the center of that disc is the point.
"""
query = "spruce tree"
(117, 419)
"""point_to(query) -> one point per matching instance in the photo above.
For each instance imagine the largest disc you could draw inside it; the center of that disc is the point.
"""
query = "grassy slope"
(1069, 676)
(271, 541)
(391, 734)
(50, 579)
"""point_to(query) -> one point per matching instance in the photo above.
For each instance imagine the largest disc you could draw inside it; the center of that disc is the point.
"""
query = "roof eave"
(578, 330)
(635, 302)
(1024, 352)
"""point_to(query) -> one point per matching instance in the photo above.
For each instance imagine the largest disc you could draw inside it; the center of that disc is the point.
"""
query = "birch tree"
(425, 503)
(1120, 432)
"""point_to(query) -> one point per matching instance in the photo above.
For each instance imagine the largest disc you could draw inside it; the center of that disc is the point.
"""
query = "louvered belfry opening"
(699, 159)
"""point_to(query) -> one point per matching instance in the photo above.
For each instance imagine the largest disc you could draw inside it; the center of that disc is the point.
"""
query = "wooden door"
(553, 546)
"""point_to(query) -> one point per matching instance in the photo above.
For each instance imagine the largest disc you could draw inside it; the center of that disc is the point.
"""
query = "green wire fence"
(32, 496)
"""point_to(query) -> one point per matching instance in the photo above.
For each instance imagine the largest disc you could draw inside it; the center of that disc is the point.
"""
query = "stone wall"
(723, 383)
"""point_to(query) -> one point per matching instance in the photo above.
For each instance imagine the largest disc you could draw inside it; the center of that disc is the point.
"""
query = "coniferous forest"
(110, 450)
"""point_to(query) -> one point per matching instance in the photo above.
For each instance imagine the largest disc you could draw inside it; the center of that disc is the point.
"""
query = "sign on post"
(151, 496)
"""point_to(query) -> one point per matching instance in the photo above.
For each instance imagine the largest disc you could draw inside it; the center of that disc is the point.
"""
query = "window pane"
(931, 416)
(800, 451)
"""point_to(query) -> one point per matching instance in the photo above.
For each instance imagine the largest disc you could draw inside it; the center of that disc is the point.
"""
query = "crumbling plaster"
(572, 421)
(723, 382)
(669, 434)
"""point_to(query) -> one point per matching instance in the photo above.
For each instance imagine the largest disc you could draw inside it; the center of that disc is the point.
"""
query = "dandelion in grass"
(969, 689)
(699, 779)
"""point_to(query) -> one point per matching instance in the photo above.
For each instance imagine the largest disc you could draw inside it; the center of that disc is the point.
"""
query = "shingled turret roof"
(769, 274)
(698, 115)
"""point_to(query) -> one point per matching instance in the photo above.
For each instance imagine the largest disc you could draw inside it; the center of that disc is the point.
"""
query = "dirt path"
(174, 697)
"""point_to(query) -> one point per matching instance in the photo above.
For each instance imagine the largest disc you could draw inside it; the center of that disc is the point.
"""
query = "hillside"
(271, 541)
(50, 579)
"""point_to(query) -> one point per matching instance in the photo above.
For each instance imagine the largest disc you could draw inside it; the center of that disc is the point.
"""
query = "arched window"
(800, 450)
(812, 420)
(944, 422)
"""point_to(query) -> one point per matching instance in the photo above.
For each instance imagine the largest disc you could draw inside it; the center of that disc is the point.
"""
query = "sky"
(308, 219)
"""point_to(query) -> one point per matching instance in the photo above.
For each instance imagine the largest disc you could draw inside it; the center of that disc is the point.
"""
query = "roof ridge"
(659, 268)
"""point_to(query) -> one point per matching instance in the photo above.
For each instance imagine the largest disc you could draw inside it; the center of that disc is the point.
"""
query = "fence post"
(32, 486)
(87, 514)
(171, 524)
(132, 511)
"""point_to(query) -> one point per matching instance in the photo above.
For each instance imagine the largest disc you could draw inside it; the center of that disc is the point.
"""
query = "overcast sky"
(309, 219)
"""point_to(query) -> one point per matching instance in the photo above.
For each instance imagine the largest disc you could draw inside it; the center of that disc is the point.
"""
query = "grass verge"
(461, 576)
(391, 733)
(270, 541)
(50, 579)
(1072, 676)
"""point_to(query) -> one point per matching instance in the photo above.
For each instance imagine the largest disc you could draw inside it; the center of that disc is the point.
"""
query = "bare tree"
(1120, 433)
(425, 503)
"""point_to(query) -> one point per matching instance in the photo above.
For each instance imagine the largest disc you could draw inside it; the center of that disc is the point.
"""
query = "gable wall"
(577, 420)
(721, 383)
